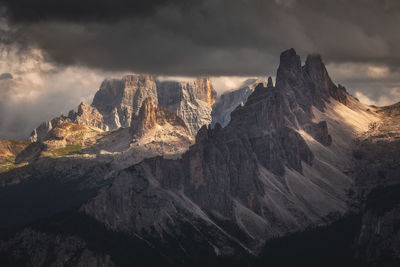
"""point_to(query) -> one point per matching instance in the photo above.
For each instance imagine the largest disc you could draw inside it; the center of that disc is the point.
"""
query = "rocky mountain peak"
(87, 115)
(290, 65)
(315, 67)
(309, 85)
(82, 107)
(289, 104)
(314, 61)
(192, 101)
(204, 90)
(118, 99)
(151, 116)
(318, 74)
(324, 87)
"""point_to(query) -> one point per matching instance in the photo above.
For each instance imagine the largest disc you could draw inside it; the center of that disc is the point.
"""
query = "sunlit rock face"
(153, 118)
(308, 85)
(113, 106)
(85, 115)
(192, 101)
(41, 131)
(120, 99)
(64, 135)
(203, 89)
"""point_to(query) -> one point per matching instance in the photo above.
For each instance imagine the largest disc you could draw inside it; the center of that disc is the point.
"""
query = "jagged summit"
(290, 63)
(304, 87)
(309, 84)
(87, 115)
(119, 99)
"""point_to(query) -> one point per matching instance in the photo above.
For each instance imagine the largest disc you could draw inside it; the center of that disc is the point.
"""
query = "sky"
(54, 54)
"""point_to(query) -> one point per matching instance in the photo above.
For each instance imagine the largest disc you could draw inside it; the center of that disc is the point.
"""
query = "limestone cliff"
(192, 101)
(203, 89)
(151, 116)
(64, 138)
(85, 115)
(119, 99)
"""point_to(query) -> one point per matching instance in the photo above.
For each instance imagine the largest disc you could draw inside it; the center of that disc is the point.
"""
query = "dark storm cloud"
(32, 11)
(215, 37)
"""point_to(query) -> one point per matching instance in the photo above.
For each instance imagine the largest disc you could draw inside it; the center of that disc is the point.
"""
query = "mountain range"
(296, 173)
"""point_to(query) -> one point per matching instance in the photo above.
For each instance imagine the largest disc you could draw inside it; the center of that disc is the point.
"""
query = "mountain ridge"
(232, 173)
(298, 155)
(118, 101)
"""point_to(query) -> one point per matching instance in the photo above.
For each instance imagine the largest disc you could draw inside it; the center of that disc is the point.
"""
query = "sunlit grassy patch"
(7, 164)
(7, 167)
(60, 152)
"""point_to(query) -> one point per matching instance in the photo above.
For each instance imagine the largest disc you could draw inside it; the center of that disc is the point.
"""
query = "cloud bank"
(213, 37)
